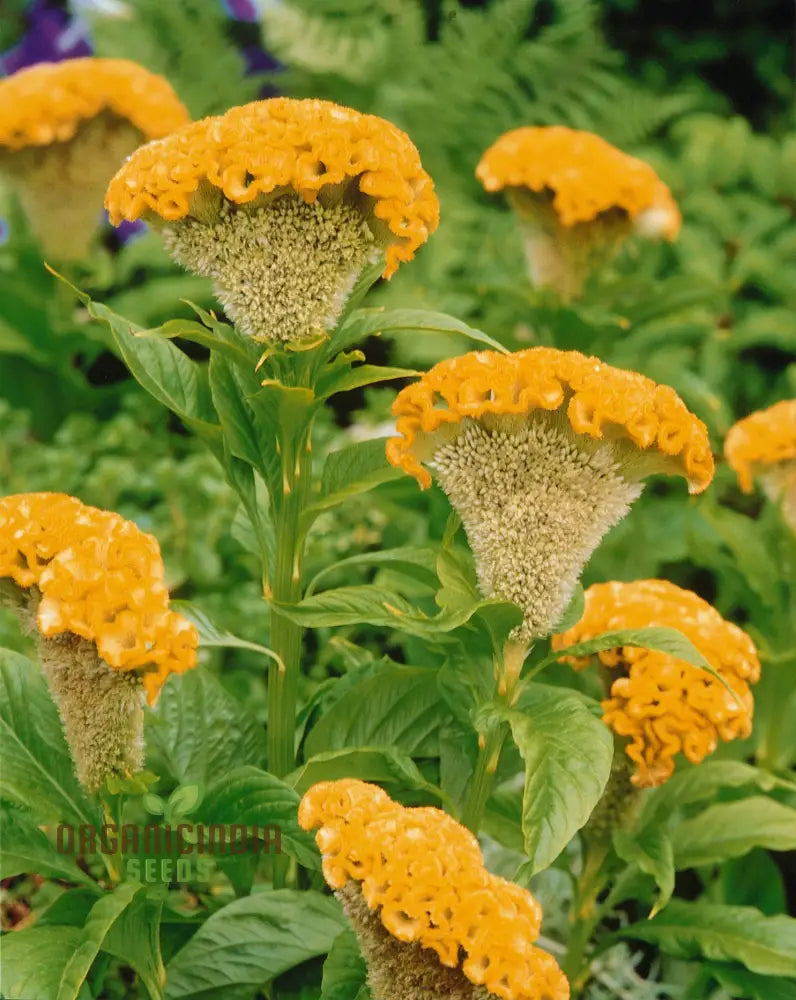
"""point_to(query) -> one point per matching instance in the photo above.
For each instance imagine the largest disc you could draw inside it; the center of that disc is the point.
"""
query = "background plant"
(711, 316)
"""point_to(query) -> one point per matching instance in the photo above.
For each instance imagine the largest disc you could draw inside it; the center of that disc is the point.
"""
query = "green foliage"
(330, 567)
(179, 40)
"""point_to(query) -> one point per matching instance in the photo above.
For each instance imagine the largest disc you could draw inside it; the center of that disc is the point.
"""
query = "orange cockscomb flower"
(64, 129)
(663, 705)
(764, 445)
(431, 920)
(540, 452)
(282, 202)
(91, 585)
(577, 197)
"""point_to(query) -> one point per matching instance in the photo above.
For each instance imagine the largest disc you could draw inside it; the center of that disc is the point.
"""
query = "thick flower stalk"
(90, 586)
(763, 445)
(540, 452)
(65, 128)
(577, 199)
(282, 203)
(659, 704)
(431, 921)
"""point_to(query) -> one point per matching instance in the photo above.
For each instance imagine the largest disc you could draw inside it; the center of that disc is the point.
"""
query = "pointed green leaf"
(249, 942)
(567, 754)
(37, 771)
(198, 730)
(35, 959)
(381, 764)
(352, 470)
(722, 933)
(211, 635)
(101, 918)
(24, 848)
(404, 710)
(367, 322)
(652, 852)
(699, 783)
(657, 637)
(731, 829)
(160, 367)
(344, 971)
(253, 797)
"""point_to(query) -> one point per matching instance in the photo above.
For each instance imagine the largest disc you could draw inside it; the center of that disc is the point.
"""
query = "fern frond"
(184, 40)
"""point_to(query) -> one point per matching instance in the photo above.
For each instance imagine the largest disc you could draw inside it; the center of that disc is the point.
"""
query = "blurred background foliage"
(702, 90)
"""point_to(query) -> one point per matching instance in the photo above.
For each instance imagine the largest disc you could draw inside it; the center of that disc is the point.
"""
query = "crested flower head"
(764, 444)
(64, 129)
(49, 102)
(100, 578)
(412, 881)
(540, 452)
(282, 202)
(577, 197)
(661, 704)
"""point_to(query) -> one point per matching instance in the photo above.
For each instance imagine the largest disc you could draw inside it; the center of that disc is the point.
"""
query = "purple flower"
(242, 10)
(50, 38)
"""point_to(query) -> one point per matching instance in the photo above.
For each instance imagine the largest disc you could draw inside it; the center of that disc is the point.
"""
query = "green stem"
(286, 588)
(585, 916)
(481, 784)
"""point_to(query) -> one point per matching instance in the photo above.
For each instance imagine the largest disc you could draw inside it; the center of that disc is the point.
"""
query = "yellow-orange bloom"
(662, 704)
(330, 178)
(423, 875)
(578, 198)
(100, 578)
(49, 102)
(764, 444)
(64, 129)
(540, 452)
(597, 400)
(585, 174)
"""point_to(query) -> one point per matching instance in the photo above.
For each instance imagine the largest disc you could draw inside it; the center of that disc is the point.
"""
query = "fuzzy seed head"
(534, 506)
(282, 271)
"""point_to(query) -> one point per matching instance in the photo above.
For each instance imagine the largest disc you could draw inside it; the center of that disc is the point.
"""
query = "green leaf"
(403, 711)
(24, 848)
(101, 918)
(35, 959)
(350, 606)
(197, 333)
(751, 985)
(378, 607)
(381, 764)
(253, 797)
(160, 367)
(411, 560)
(574, 610)
(730, 829)
(657, 637)
(369, 322)
(652, 852)
(37, 771)
(198, 730)
(353, 377)
(210, 333)
(753, 880)
(723, 933)
(567, 754)
(698, 783)
(135, 939)
(249, 436)
(352, 470)
(251, 941)
(211, 635)
(344, 971)
(70, 909)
